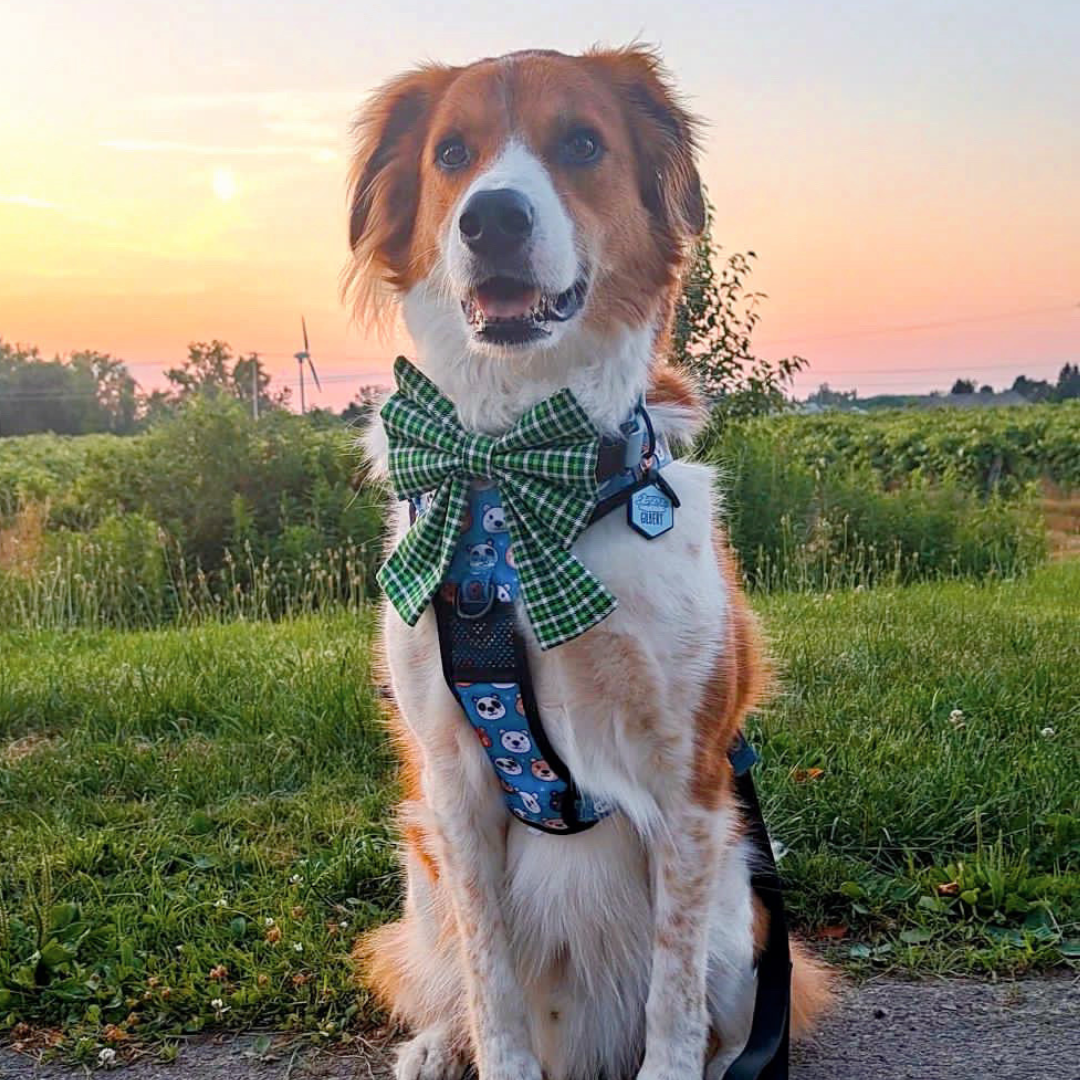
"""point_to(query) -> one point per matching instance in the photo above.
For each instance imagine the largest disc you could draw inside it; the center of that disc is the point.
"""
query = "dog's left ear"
(665, 139)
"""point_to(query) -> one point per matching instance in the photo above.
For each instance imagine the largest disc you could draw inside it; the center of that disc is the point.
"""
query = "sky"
(908, 174)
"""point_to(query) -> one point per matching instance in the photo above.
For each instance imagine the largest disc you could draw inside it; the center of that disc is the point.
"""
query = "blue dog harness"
(483, 654)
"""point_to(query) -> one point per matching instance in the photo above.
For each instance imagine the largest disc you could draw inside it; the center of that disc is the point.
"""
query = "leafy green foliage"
(715, 317)
(986, 450)
(798, 523)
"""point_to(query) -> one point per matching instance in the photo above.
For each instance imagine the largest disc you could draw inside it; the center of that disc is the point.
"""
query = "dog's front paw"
(508, 1064)
(674, 1063)
(431, 1055)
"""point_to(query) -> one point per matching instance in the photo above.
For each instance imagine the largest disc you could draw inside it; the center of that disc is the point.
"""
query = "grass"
(194, 822)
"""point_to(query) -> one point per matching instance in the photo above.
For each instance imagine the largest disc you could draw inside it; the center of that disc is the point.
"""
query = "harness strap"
(765, 1056)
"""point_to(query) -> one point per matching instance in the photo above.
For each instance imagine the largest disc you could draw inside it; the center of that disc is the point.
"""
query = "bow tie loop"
(477, 453)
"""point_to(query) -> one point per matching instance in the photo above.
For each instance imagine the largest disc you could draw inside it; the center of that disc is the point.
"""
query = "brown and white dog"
(532, 215)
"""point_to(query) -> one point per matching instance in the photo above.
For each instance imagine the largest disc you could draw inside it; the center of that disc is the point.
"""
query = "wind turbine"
(305, 354)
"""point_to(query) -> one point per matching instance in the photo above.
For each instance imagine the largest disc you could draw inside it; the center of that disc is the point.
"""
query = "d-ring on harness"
(485, 664)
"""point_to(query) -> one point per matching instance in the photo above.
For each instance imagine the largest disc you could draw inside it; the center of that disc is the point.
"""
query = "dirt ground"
(884, 1030)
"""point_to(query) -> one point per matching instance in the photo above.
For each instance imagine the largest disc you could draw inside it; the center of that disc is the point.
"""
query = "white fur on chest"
(619, 702)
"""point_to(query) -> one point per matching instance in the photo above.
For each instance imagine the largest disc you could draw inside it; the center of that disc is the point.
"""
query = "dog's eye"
(581, 147)
(452, 154)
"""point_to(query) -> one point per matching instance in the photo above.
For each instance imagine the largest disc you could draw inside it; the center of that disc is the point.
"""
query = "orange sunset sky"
(908, 173)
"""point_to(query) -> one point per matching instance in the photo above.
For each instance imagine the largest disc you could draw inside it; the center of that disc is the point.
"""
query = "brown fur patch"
(669, 386)
(380, 959)
(813, 990)
(737, 684)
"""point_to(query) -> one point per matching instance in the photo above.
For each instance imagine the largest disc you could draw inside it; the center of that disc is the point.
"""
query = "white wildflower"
(107, 1057)
(296, 879)
(221, 902)
(1048, 733)
(956, 718)
(298, 947)
(268, 921)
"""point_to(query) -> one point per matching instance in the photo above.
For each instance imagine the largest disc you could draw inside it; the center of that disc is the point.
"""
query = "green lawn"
(193, 823)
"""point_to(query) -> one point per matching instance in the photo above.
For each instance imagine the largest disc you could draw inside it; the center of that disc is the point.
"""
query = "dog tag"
(651, 512)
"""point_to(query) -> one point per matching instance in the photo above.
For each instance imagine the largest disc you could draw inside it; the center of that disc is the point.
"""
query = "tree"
(826, 396)
(88, 392)
(1068, 384)
(210, 371)
(715, 317)
(986, 389)
(1033, 389)
(963, 386)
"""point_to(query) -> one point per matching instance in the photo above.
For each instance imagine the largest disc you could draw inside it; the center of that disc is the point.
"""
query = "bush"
(796, 526)
(208, 510)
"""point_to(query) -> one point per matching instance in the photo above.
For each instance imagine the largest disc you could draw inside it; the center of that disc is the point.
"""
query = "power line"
(943, 324)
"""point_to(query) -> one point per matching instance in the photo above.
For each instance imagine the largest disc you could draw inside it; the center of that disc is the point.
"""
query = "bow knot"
(477, 452)
(545, 466)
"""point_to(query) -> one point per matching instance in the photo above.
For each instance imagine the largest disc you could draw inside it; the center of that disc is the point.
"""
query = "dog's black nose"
(496, 222)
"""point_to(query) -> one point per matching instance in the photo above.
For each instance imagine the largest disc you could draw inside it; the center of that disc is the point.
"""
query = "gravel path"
(885, 1030)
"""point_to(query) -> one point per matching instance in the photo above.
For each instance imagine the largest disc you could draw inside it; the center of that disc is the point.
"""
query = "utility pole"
(255, 386)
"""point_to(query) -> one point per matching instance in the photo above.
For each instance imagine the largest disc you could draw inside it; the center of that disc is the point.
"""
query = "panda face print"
(530, 801)
(503, 594)
(556, 823)
(508, 765)
(556, 801)
(603, 806)
(494, 519)
(543, 771)
(482, 556)
(489, 708)
(517, 742)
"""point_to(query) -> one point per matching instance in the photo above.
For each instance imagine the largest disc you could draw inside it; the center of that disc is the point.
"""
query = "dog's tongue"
(504, 298)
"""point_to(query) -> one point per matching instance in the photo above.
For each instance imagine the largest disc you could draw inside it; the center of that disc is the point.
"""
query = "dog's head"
(517, 201)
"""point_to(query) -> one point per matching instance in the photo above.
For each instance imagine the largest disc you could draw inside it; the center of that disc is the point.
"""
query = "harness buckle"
(478, 603)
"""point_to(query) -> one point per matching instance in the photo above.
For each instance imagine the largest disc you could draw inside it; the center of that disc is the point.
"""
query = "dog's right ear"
(384, 184)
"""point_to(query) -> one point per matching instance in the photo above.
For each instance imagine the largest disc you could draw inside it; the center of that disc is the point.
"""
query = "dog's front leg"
(683, 871)
(473, 853)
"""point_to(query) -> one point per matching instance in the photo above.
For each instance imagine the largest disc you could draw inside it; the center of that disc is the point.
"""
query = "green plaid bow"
(545, 466)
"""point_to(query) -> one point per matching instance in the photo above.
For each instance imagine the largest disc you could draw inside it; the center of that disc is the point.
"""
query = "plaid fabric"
(545, 468)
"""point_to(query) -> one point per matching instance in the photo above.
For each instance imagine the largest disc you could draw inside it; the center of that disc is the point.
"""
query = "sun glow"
(224, 183)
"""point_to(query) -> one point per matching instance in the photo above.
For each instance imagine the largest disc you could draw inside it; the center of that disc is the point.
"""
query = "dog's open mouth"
(509, 311)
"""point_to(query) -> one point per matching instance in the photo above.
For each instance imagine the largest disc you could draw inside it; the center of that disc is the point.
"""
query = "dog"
(531, 216)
